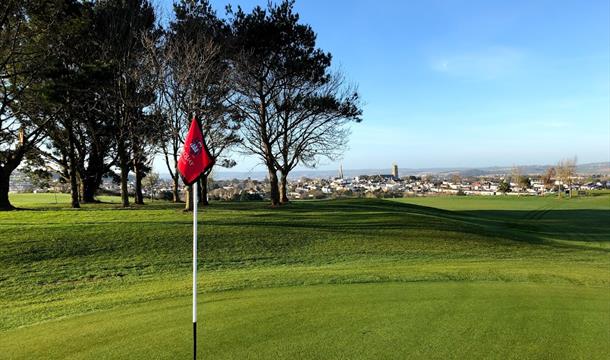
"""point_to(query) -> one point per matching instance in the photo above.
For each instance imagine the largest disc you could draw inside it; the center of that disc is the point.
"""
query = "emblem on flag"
(196, 147)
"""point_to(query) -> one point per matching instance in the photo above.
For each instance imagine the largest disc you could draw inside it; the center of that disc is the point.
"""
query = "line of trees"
(89, 87)
(564, 173)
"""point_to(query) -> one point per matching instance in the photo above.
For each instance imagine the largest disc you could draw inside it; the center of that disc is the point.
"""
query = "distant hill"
(583, 169)
(594, 168)
(602, 168)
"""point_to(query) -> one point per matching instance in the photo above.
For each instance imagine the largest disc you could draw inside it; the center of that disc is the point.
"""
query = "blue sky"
(467, 83)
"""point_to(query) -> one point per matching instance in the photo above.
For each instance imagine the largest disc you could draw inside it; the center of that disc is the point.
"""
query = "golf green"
(476, 320)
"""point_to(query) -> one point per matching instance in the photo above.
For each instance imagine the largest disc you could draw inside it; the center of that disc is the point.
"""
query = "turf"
(431, 277)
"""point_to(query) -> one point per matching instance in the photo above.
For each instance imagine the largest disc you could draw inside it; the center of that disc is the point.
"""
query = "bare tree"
(192, 70)
(172, 124)
(566, 170)
(456, 178)
(150, 182)
(312, 122)
(548, 179)
(515, 177)
(260, 128)
(525, 182)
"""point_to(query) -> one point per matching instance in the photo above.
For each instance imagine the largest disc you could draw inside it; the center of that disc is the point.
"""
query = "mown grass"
(362, 321)
(545, 260)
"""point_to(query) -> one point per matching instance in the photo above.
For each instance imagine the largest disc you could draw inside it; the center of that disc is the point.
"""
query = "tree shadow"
(357, 215)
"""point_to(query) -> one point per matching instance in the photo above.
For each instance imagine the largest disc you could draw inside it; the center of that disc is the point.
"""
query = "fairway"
(457, 277)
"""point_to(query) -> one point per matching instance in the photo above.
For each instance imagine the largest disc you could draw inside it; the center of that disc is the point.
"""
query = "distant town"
(513, 182)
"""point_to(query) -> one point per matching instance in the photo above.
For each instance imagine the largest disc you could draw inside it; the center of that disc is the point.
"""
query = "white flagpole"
(195, 190)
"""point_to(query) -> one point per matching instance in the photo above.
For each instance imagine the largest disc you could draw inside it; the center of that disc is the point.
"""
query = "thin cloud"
(487, 64)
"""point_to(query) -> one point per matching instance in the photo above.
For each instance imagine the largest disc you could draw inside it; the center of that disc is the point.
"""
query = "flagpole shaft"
(195, 190)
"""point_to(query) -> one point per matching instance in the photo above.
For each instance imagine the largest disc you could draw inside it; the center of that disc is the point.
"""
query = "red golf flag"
(195, 158)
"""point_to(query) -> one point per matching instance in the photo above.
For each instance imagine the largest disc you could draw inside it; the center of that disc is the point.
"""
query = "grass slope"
(442, 277)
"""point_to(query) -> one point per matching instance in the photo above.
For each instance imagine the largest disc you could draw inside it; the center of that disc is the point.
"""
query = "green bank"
(426, 277)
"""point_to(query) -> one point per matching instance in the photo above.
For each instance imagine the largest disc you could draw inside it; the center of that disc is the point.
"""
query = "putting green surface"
(374, 321)
(457, 277)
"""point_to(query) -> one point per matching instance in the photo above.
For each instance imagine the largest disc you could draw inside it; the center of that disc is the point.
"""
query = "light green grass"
(597, 200)
(435, 277)
(373, 321)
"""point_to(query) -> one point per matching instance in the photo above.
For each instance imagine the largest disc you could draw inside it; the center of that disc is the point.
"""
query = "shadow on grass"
(255, 228)
(370, 215)
(360, 215)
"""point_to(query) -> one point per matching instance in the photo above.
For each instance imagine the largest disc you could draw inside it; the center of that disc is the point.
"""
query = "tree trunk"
(273, 183)
(188, 206)
(6, 170)
(188, 199)
(124, 185)
(203, 191)
(88, 187)
(124, 166)
(138, 196)
(91, 175)
(5, 204)
(283, 188)
(75, 203)
(176, 189)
